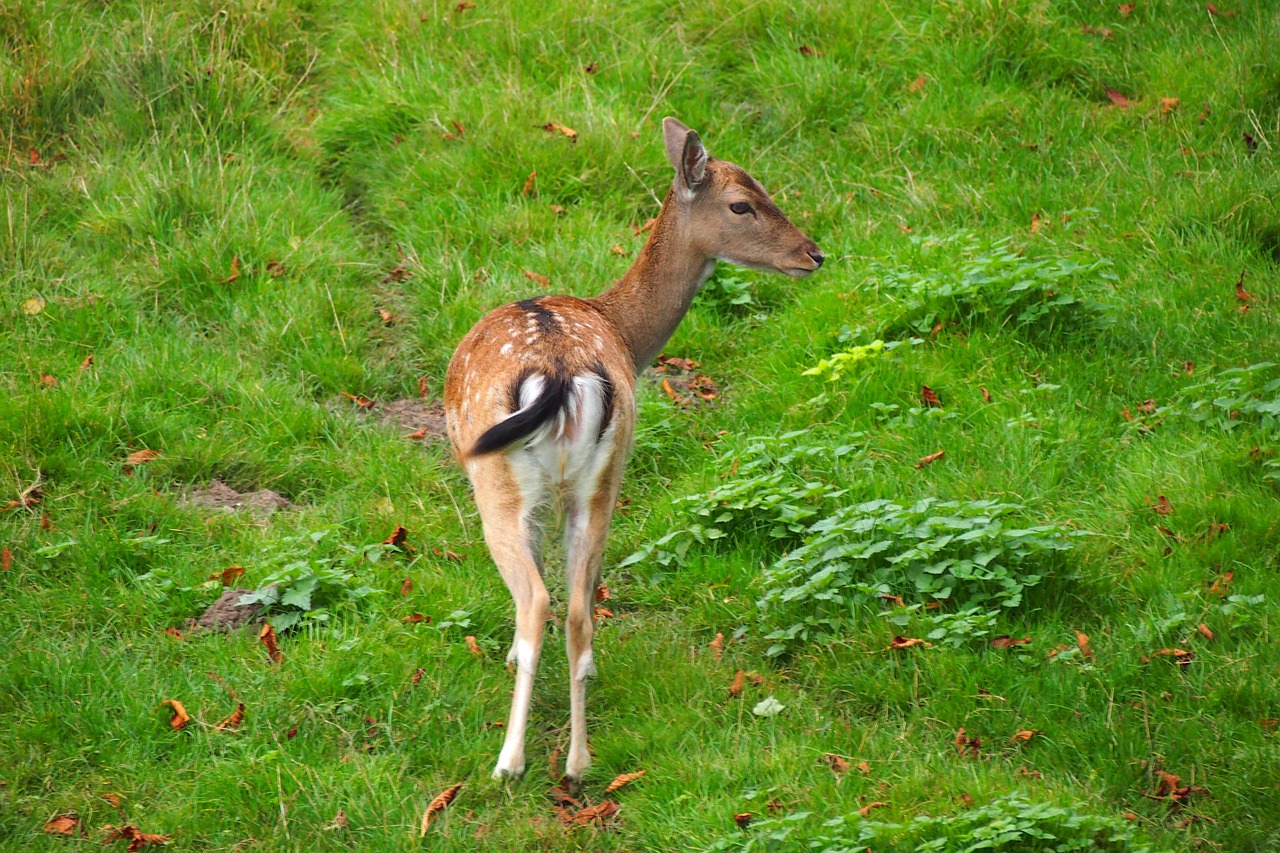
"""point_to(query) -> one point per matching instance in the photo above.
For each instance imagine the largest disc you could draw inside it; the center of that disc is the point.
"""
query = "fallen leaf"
(895, 600)
(1082, 643)
(48, 380)
(442, 800)
(227, 576)
(1214, 10)
(473, 646)
(646, 227)
(557, 210)
(1181, 656)
(618, 250)
(339, 821)
(964, 743)
(1269, 723)
(603, 594)
(406, 585)
(1125, 8)
(422, 387)
(396, 540)
(717, 646)
(1162, 505)
(359, 399)
(268, 638)
(87, 363)
(552, 127)
(622, 780)
(806, 50)
(986, 395)
(1189, 368)
(138, 457)
(602, 613)
(930, 459)
(1007, 642)
(275, 269)
(538, 278)
(1222, 583)
(1036, 223)
(671, 392)
(417, 675)
(113, 798)
(63, 824)
(866, 810)
(388, 319)
(1242, 294)
(235, 271)
(600, 814)
(137, 839)
(929, 397)
(1205, 631)
(735, 689)
(416, 619)
(908, 642)
(397, 273)
(1024, 735)
(33, 306)
(173, 632)
(1104, 32)
(1167, 532)
(6, 559)
(1168, 105)
(1025, 771)
(180, 717)
(232, 721)
(1118, 99)
(917, 85)
(447, 554)
(417, 436)
(837, 763)
(743, 819)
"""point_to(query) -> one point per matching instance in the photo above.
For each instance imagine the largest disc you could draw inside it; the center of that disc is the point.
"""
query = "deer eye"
(740, 207)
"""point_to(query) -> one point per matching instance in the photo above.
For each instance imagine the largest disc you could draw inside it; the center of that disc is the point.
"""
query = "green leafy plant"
(962, 279)
(962, 552)
(308, 582)
(768, 492)
(1009, 823)
(833, 368)
(1237, 396)
(726, 292)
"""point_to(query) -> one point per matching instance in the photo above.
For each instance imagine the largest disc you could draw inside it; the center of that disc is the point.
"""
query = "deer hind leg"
(586, 526)
(511, 530)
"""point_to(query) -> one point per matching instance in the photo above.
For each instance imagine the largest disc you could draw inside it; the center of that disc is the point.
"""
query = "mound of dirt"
(218, 495)
(227, 614)
(413, 416)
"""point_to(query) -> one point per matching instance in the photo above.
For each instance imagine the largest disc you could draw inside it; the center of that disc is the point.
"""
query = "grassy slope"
(175, 139)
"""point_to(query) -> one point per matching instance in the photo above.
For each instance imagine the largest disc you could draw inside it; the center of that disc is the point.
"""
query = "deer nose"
(818, 257)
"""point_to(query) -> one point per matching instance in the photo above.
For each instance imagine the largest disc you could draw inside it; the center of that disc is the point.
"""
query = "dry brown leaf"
(1214, 10)
(359, 399)
(552, 127)
(1026, 771)
(6, 559)
(275, 269)
(929, 397)
(1118, 99)
(837, 763)
(1205, 631)
(1222, 583)
(173, 632)
(227, 576)
(1104, 32)
(63, 824)
(1007, 642)
(864, 768)
(917, 85)
(397, 538)
(1181, 656)
(602, 613)
(1082, 643)
(964, 743)
(986, 395)
(388, 319)
(180, 717)
(742, 819)
(1242, 294)
(417, 436)
(137, 839)
(553, 762)
(442, 800)
(600, 814)
(557, 210)
(422, 387)
(138, 457)
(908, 642)
(1024, 735)
(1036, 223)
(1162, 505)
(416, 619)
(806, 50)
(267, 636)
(235, 271)
(232, 721)
(671, 392)
(406, 587)
(1125, 8)
(895, 600)
(603, 594)
(87, 363)
(537, 278)
(645, 228)
(618, 250)
(48, 380)
(473, 646)
(866, 810)
(622, 780)
(717, 646)
(113, 798)
(735, 689)
(339, 821)
(417, 675)
(931, 458)
(1168, 105)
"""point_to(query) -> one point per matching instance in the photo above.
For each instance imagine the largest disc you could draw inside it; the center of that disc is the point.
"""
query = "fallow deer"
(540, 403)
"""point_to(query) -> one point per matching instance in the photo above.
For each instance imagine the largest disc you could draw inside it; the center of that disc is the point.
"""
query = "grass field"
(1062, 218)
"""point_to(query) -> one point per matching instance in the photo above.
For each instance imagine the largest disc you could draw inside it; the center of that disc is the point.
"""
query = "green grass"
(146, 146)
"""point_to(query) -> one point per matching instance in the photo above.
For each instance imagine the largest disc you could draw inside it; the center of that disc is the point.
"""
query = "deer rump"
(559, 418)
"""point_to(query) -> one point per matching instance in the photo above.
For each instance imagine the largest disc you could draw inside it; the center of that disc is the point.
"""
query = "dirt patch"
(680, 380)
(227, 614)
(417, 418)
(218, 495)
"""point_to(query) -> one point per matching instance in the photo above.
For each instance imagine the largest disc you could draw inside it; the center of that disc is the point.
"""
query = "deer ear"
(685, 152)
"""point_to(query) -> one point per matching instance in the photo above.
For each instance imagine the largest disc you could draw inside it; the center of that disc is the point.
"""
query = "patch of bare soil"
(227, 614)
(417, 418)
(218, 495)
(681, 381)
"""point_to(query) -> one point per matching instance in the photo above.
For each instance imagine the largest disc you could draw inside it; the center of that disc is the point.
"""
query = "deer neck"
(648, 303)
